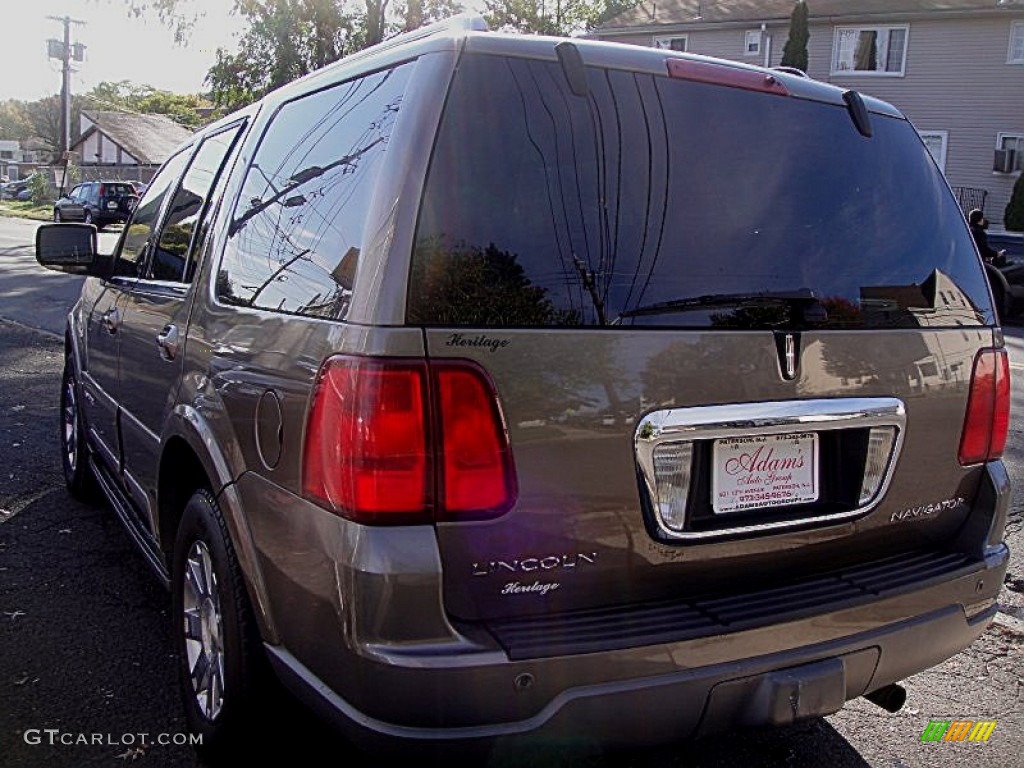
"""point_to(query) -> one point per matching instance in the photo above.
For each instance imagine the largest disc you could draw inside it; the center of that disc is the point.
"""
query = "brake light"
(391, 441)
(987, 421)
(723, 74)
(475, 458)
(103, 190)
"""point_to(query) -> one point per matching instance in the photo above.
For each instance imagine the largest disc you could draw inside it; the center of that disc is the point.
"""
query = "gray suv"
(492, 386)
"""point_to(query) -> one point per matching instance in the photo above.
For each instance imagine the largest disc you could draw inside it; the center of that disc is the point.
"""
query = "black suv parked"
(97, 202)
(492, 385)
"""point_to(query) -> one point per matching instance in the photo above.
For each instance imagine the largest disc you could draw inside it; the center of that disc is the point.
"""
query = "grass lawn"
(26, 210)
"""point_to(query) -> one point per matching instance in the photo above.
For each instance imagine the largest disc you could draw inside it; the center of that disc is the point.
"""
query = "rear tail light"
(987, 421)
(392, 441)
(103, 190)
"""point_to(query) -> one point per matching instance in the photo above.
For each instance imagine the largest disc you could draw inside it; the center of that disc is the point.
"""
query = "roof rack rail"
(792, 71)
(462, 22)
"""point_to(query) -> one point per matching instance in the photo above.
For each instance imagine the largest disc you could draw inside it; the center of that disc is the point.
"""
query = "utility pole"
(65, 51)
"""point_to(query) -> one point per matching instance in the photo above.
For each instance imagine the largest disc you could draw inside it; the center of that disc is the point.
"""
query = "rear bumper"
(770, 675)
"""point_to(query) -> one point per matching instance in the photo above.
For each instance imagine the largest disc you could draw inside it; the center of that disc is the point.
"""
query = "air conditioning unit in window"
(1005, 161)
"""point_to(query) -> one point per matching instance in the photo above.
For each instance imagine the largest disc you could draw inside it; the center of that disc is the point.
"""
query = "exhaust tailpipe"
(891, 698)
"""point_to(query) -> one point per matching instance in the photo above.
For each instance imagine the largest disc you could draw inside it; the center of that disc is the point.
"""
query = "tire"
(56, 216)
(78, 475)
(221, 667)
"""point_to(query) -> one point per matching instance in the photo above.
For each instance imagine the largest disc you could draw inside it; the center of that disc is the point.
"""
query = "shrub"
(1013, 217)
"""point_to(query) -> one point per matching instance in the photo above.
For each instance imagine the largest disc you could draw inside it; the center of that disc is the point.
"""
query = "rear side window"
(139, 229)
(662, 202)
(171, 259)
(295, 235)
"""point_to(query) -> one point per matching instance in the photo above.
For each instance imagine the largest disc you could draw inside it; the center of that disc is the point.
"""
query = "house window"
(870, 50)
(936, 141)
(752, 43)
(1014, 143)
(6, 154)
(1016, 55)
(670, 42)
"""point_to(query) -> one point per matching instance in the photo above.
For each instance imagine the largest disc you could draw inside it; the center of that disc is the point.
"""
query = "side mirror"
(67, 248)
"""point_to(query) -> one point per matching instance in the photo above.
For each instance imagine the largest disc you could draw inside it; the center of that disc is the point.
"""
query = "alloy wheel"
(70, 425)
(204, 631)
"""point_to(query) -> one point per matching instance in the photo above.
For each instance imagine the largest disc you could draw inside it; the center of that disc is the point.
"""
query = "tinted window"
(171, 258)
(567, 210)
(139, 229)
(117, 190)
(295, 237)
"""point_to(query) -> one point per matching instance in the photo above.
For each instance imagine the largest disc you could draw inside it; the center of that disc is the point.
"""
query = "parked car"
(97, 202)
(1007, 275)
(12, 189)
(509, 386)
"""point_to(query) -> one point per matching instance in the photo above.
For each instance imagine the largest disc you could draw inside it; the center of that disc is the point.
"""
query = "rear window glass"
(116, 190)
(662, 202)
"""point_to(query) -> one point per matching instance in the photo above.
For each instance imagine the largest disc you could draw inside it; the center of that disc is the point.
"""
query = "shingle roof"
(654, 12)
(150, 139)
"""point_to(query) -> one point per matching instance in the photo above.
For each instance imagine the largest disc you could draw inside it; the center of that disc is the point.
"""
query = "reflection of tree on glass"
(474, 286)
(295, 238)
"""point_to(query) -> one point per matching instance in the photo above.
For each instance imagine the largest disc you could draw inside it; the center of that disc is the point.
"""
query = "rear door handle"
(167, 340)
(111, 320)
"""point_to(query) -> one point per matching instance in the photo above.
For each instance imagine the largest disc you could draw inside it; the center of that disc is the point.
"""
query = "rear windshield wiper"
(813, 311)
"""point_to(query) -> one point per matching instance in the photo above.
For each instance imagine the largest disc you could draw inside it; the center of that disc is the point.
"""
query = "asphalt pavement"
(86, 665)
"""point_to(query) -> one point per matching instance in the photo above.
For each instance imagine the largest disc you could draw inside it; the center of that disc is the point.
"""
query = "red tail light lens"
(371, 452)
(475, 461)
(987, 422)
(103, 190)
(366, 452)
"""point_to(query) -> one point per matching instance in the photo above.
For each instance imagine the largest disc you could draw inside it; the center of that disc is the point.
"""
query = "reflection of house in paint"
(937, 303)
(906, 359)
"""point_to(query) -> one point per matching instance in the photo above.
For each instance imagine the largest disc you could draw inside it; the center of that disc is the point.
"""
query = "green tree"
(554, 17)
(14, 123)
(124, 95)
(1013, 217)
(286, 39)
(39, 188)
(43, 116)
(795, 52)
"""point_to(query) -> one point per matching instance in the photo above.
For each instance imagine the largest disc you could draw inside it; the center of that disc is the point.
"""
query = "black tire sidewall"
(203, 521)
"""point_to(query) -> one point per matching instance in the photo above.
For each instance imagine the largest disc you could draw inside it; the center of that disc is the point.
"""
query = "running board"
(122, 508)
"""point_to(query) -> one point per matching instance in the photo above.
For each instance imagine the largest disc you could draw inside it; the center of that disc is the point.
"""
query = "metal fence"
(54, 174)
(970, 198)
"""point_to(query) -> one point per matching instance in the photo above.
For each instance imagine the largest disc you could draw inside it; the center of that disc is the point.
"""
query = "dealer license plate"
(764, 471)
